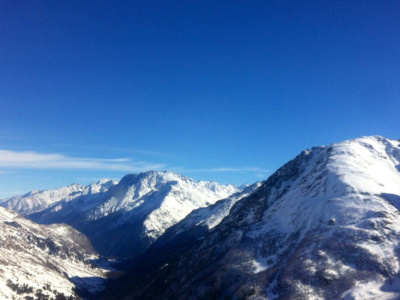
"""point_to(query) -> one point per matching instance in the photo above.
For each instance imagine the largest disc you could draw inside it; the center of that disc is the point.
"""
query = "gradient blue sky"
(215, 90)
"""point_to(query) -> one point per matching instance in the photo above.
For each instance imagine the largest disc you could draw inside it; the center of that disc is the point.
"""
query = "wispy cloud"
(35, 160)
(260, 175)
(5, 172)
(117, 149)
(93, 179)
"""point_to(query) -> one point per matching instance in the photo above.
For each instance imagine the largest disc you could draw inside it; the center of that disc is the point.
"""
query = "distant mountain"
(43, 262)
(37, 201)
(179, 237)
(324, 226)
(129, 216)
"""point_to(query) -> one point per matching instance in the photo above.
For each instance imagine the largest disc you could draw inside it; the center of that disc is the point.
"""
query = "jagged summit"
(153, 177)
(326, 225)
(101, 186)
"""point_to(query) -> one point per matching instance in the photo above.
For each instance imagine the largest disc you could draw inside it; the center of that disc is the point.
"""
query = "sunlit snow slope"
(324, 226)
(36, 201)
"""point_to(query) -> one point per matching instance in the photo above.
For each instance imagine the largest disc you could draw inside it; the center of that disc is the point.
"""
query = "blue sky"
(216, 90)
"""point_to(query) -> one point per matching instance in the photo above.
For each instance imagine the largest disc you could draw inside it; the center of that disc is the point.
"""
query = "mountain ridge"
(326, 225)
(38, 200)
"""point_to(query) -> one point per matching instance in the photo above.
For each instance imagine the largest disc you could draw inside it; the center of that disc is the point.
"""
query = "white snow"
(355, 186)
(37, 201)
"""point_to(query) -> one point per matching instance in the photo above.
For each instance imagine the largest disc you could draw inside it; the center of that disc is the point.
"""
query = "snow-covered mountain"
(324, 226)
(183, 235)
(128, 217)
(200, 221)
(43, 262)
(37, 201)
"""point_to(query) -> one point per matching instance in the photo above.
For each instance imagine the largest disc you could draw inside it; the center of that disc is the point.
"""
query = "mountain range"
(326, 225)
(122, 219)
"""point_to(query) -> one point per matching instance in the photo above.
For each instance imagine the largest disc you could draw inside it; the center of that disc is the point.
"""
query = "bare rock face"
(44, 262)
(324, 226)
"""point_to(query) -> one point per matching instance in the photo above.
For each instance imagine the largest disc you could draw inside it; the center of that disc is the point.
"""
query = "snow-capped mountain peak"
(101, 186)
(147, 183)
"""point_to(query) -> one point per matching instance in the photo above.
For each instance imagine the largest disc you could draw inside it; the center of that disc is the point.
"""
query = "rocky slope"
(324, 226)
(45, 262)
(124, 220)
